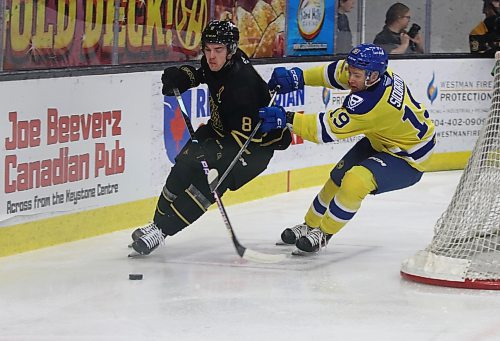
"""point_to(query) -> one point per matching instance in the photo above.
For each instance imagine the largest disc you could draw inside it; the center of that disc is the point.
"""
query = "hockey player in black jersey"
(236, 93)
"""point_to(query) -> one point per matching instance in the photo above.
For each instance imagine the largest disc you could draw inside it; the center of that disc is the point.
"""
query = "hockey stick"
(245, 145)
(242, 251)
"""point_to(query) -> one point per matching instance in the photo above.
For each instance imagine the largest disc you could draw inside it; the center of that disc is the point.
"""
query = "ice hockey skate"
(290, 235)
(139, 232)
(312, 242)
(150, 239)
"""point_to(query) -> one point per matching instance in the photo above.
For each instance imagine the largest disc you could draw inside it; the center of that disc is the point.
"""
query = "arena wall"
(88, 155)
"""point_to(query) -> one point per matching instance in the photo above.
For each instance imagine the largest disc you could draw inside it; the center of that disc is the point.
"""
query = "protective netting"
(466, 242)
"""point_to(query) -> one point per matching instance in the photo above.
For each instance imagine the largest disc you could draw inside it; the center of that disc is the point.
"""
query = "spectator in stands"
(484, 38)
(343, 35)
(394, 38)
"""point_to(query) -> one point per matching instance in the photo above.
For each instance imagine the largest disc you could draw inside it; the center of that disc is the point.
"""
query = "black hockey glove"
(182, 78)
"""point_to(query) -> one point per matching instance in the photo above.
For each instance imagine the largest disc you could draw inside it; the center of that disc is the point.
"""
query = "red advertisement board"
(57, 33)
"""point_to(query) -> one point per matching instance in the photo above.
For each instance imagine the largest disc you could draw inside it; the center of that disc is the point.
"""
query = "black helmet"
(221, 32)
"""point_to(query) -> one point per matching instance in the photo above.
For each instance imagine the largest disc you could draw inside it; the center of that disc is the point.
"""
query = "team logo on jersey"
(175, 133)
(474, 46)
(219, 94)
(354, 101)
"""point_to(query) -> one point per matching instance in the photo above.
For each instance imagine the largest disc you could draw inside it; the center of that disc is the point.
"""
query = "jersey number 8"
(246, 124)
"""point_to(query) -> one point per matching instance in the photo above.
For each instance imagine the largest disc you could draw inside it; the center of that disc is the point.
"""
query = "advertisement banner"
(175, 132)
(78, 143)
(56, 34)
(311, 26)
(65, 151)
(261, 24)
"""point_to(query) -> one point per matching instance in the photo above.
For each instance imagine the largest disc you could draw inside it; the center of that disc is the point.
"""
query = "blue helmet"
(368, 57)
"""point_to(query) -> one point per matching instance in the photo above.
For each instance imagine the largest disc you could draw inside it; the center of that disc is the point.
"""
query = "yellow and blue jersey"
(386, 113)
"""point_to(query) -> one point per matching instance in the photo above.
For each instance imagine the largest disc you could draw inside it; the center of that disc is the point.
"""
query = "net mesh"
(468, 232)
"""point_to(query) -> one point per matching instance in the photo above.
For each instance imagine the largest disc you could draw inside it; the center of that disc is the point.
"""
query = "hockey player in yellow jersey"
(397, 137)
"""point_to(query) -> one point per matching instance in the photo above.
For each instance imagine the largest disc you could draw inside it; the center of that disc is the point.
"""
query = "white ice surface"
(196, 287)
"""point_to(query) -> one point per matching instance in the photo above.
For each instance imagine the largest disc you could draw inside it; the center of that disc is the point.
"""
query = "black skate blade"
(135, 254)
(282, 243)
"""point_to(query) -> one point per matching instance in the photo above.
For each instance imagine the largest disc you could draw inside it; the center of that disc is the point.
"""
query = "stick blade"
(243, 252)
(259, 257)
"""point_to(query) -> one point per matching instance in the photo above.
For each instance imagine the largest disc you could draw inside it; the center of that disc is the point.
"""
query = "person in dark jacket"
(394, 38)
(484, 38)
(237, 92)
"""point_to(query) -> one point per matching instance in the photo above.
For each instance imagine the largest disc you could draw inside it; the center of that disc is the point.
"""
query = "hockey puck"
(135, 277)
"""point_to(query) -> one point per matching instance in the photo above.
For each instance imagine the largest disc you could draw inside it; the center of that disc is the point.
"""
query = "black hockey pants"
(186, 195)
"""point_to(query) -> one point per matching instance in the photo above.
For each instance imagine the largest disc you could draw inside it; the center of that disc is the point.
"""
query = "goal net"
(465, 249)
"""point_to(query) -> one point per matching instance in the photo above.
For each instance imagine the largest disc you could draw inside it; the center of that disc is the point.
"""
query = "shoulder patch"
(353, 101)
(387, 80)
